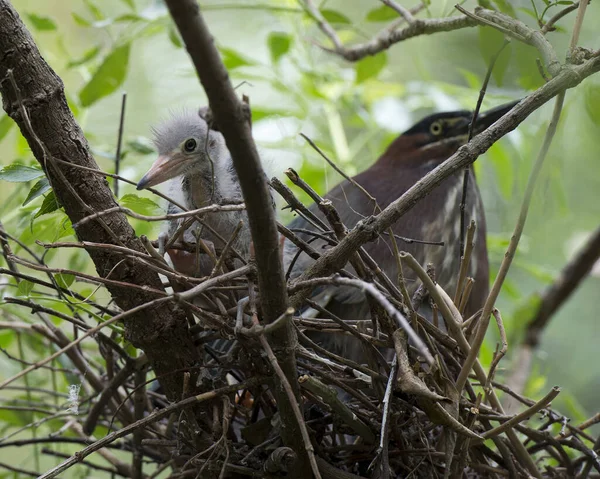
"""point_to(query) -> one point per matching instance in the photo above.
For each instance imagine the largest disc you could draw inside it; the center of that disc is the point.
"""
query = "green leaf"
(109, 76)
(24, 288)
(335, 17)
(505, 7)
(370, 67)
(279, 44)
(94, 10)
(64, 280)
(233, 59)
(41, 23)
(490, 41)
(79, 20)
(504, 169)
(262, 113)
(174, 37)
(38, 190)
(592, 102)
(141, 145)
(17, 173)
(87, 56)
(49, 205)
(129, 3)
(381, 14)
(128, 17)
(140, 205)
(6, 123)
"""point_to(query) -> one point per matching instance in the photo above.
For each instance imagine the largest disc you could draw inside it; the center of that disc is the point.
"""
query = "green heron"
(436, 218)
(196, 161)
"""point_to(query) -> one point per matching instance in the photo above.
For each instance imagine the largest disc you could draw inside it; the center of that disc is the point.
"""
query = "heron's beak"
(460, 128)
(164, 168)
(490, 117)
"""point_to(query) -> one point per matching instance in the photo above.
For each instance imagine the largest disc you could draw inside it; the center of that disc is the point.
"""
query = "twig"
(468, 169)
(229, 115)
(151, 418)
(329, 396)
(381, 299)
(538, 406)
(510, 252)
(119, 143)
(499, 354)
(294, 405)
(173, 216)
(549, 26)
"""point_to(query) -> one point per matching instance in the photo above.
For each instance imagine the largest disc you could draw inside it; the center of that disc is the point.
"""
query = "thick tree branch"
(39, 107)
(229, 114)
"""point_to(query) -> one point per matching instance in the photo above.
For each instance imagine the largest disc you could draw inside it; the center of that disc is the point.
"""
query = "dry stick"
(229, 115)
(151, 418)
(445, 304)
(185, 214)
(325, 27)
(295, 408)
(329, 396)
(519, 31)
(95, 279)
(538, 406)
(390, 232)
(549, 26)
(510, 252)
(514, 241)
(383, 449)
(499, 354)
(464, 262)
(482, 91)
(387, 37)
(382, 300)
(88, 333)
(226, 248)
(119, 143)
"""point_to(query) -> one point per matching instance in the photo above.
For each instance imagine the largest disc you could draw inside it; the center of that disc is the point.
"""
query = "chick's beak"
(164, 168)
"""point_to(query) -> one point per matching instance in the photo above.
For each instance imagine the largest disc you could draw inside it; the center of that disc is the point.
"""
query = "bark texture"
(40, 109)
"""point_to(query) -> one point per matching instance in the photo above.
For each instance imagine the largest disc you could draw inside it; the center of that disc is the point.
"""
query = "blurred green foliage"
(352, 111)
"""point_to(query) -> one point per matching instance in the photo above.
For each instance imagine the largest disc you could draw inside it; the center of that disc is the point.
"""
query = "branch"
(33, 96)
(228, 112)
(389, 36)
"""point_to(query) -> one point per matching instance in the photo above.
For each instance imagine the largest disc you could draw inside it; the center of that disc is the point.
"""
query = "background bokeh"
(352, 111)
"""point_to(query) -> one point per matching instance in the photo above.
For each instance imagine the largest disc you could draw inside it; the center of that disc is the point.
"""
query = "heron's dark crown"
(424, 126)
(438, 136)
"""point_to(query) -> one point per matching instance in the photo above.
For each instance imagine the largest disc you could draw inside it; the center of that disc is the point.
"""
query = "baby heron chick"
(199, 166)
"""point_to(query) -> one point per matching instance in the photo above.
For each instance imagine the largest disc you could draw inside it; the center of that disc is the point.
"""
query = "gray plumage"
(195, 161)
(209, 178)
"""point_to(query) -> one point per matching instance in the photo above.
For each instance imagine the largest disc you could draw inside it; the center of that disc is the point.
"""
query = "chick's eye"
(190, 145)
(436, 128)
(212, 143)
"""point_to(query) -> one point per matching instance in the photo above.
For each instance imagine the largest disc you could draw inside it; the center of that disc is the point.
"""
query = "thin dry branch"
(229, 114)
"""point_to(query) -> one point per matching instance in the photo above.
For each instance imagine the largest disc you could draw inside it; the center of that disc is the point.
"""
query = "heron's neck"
(208, 187)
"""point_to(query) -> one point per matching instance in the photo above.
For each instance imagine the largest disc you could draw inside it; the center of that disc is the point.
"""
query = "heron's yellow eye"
(436, 128)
